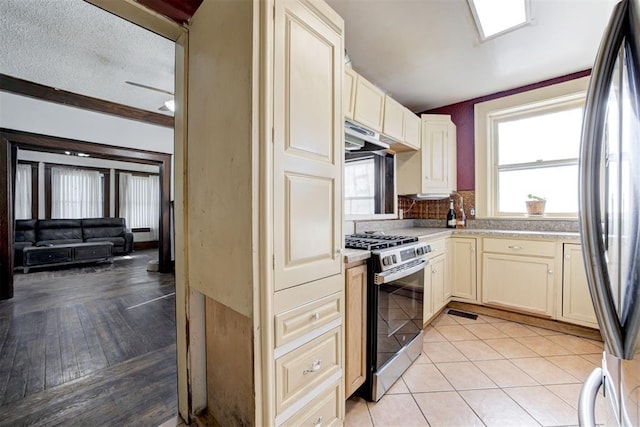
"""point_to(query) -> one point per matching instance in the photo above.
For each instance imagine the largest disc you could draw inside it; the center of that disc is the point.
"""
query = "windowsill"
(529, 218)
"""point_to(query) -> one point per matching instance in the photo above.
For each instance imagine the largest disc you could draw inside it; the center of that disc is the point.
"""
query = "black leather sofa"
(56, 232)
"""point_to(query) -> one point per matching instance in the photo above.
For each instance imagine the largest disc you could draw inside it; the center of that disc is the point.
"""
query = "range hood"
(428, 196)
(358, 138)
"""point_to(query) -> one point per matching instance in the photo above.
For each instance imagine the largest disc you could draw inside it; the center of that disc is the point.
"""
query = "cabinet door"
(438, 268)
(369, 106)
(463, 267)
(427, 304)
(411, 129)
(393, 121)
(349, 92)
(356, 328)
(435, 157)
(308, 141)
(577, 306)
(518, 282)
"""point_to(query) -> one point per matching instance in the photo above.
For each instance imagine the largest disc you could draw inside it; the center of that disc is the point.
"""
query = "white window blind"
(76, 193)
(23, 192)
(140, 201)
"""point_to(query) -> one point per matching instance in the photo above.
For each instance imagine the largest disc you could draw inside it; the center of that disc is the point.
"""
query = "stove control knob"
(420, 250)
(386, 260)
(395, 260)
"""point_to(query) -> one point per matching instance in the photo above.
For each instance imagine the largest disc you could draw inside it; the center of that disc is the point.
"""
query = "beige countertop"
(353, 255)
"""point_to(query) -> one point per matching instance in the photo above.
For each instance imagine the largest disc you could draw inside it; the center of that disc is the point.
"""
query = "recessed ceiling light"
(68, 153)
(83, 155)
(495, 17)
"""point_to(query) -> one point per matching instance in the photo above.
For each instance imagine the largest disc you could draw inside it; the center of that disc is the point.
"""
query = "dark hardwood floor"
(93, 345)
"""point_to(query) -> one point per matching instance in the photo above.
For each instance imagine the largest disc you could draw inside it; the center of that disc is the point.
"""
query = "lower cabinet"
(523, 283)
(463, 271)
(577, 306)
(323, 411)
(355, 328)
(436, 277)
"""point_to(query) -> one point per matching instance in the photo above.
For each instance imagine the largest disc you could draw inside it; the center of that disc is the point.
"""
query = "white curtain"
(76, 193)
(140, 201)
(23, 192)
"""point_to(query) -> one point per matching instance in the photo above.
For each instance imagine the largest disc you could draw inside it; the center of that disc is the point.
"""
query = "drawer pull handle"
(315, 367)
(515, 247)
(316, 316)
(318, 423)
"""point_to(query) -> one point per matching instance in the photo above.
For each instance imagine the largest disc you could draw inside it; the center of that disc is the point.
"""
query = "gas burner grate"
(376, 241)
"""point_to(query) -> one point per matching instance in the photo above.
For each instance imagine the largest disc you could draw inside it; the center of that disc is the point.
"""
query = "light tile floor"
(486, 372)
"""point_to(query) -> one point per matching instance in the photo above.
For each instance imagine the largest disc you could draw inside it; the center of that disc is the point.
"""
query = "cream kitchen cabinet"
(349, 92)
(437, 289)
(355, 328)
(463, 269)
(393, 120)
(369, 104)
(412, 130)
(519, 275)
(433, 168)
(576, 306)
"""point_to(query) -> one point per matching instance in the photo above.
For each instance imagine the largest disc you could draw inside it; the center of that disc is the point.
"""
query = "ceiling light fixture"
(171, 105)
(83, 155)
(496, 17)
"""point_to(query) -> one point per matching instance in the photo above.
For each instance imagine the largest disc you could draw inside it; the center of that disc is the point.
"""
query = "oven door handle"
(390, 276)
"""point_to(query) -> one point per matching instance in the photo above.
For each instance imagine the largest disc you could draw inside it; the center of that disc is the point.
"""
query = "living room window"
(23, 196)
(76, 193)
(529, 143)
(139, 201)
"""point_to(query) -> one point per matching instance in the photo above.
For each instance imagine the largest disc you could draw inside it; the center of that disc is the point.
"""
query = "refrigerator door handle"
(595, 113)
(587, 400)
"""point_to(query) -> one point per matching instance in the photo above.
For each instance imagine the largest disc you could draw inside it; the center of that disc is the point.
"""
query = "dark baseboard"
(138, 246)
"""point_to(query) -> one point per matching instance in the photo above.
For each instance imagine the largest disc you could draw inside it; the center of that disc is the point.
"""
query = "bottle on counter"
(451, 215)
(463, 217)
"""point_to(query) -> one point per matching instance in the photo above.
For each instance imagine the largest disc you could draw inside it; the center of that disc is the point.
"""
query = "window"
(494, 17)
(23, 192)
(360, 194)
(76, 193)
(529, 144)
(139, 201)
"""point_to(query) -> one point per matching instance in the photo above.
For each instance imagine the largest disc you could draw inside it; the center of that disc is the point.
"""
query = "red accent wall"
(462, 115)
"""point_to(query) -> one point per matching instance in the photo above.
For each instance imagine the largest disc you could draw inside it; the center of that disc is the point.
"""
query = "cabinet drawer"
(302, 369)
(92, 252)
(322, 411)
(301, 320)
(39, 256)
(520, 247)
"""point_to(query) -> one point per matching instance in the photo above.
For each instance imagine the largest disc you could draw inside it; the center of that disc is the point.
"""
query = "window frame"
(117, 173)
(488, 114)
(106, 180)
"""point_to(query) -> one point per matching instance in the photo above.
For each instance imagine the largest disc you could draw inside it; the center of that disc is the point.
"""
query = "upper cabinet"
(432, 169)
(411, 131)
(349, 92)
(369, 104)
(393, 122)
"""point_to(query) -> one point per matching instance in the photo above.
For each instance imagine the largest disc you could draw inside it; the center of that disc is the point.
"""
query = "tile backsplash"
(437, 209)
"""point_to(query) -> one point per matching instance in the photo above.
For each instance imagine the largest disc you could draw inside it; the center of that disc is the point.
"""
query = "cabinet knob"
(338, 251)
(550, 271)
(315, 316)
(434, 271)
(318, 422)
(315, 367)
(567, 256)
(473, 249)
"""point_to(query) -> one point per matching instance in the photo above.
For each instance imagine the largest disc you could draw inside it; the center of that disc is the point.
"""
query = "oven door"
(395, 335)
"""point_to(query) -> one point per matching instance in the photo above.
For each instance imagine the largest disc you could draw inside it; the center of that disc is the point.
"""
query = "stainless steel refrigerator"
(610, 216)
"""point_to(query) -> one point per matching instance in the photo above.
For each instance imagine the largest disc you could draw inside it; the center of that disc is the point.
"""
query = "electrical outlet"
(472, 211)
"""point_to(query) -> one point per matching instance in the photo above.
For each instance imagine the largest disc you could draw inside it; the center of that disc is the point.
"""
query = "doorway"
(11, 141)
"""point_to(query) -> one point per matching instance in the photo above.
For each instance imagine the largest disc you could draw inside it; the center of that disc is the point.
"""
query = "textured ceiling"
(426, 53)
(74, 46)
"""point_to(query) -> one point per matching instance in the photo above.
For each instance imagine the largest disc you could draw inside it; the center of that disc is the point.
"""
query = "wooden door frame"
(12, 140)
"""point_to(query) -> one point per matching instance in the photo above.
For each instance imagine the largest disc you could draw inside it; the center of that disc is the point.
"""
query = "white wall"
(48, 118)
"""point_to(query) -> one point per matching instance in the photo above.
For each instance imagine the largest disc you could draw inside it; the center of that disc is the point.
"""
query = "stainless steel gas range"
(394, 307)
